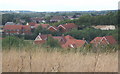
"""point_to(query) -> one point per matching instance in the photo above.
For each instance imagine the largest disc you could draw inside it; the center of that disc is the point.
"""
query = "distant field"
(41, 61)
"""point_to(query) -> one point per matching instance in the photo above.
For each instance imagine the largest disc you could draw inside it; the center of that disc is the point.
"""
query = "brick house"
(65, 41)
(57, 19)
(40, 39)
(17, 29)
(35, 25)
(103, 41)
(73, 43)
(67, 27)
(53, 28)
(31, 24)
(42, 25)
(63, 28)
(38, 20)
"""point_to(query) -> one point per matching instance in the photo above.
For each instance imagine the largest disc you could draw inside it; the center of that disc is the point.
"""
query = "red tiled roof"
(26, 27)
(96, 40)
(43, 25)
(70, 41)
(73, 43)
(69, 25)
(32, 24)
(110, 39)
(65, 41)
(53, 27)
(45, 36)
(104, 40)
(69, 37)
(11, 27)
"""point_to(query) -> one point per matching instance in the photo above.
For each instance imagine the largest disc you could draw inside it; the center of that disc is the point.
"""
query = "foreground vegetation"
(11, 42)
(18, 57)
(42, 61)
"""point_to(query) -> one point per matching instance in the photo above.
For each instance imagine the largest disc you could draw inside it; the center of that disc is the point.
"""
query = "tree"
(11, 41)
(41, 30)
(7, 18)
(90, 33)
(52, 42)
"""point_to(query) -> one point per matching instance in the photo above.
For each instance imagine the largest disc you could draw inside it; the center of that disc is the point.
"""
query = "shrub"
(52, 42)
(11, 41)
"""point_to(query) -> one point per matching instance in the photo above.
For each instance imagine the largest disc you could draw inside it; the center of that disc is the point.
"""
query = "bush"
(11, 41)
(52, 42)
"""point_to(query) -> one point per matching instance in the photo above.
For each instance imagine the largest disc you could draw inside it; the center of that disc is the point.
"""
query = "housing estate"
(65, 41)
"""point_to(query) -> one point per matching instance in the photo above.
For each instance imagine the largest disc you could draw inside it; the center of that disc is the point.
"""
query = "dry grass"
(41, 61)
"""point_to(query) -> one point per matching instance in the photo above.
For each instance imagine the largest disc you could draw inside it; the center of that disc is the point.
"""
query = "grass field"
(42, 61)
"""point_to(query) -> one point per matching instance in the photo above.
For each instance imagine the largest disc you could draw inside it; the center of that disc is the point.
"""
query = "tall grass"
(67, 61)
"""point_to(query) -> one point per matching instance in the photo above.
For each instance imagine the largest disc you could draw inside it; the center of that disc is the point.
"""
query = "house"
(40, 39)
(35, 25)
(10, 23)
(61, 39)
(53, 28)
(17, 29)
(63, 28)
(21, 21)
(67, 27)
(31, 24)
(73, 17)
(103, 41)
(57, 19)
(104, 27)
(43, 25)
(73, 43)
(65, 41)
(38, 20)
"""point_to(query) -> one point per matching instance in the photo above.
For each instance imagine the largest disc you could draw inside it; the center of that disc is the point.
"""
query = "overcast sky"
(58, 5)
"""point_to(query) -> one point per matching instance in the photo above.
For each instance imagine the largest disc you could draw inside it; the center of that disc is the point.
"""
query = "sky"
(59, 5)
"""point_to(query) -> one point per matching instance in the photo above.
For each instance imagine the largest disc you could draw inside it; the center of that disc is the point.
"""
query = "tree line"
(110, 18)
